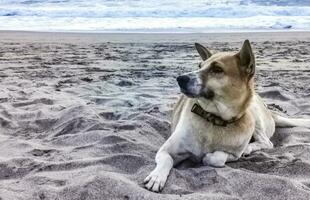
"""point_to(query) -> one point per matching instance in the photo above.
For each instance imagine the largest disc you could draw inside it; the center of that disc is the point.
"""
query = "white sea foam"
(153, 15)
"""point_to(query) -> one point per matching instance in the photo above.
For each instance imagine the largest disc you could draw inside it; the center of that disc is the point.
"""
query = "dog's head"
(223, 84)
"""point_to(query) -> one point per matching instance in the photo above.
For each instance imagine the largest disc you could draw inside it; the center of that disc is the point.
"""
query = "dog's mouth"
(209, 94)
(189, 94)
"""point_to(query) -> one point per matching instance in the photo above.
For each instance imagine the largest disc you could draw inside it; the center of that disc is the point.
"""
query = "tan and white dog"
(217, 115)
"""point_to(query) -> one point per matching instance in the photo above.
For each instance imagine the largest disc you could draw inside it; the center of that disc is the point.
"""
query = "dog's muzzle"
(189, 85)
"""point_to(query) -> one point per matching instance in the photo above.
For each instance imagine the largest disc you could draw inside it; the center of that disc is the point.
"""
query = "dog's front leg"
(218, 158)
(170, 154)
(158, 177)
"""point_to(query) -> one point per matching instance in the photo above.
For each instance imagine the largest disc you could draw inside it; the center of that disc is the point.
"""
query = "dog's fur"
(223, 86)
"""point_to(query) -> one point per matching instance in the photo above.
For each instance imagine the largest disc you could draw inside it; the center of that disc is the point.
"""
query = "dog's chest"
(212, 138)
(199, 136)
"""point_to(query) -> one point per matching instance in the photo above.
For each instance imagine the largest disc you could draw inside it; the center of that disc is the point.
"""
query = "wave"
(110, 15)
(151, 8)
(154, 24)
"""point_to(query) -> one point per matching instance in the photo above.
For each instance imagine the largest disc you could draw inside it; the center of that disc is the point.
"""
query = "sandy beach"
(83, 114)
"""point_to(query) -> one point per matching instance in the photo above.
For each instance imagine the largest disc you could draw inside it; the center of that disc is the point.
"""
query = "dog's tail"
(290, 122)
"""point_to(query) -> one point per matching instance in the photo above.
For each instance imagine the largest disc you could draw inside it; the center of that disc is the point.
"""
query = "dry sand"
(82, 116)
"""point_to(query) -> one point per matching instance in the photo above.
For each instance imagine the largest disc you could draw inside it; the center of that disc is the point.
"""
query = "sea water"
(154, 15)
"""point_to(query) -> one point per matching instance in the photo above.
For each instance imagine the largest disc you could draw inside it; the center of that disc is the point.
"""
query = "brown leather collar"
(214, 119)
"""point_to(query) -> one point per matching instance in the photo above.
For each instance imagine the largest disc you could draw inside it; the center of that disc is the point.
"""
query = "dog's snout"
(183, 80)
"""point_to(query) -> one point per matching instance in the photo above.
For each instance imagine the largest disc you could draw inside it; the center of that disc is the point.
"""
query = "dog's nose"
(183, 80)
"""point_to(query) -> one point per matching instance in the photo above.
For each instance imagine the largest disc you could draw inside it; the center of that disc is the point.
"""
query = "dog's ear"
(203, 51)
(247, 59)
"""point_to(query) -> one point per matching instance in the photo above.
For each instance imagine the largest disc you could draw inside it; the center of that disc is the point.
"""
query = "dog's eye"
(216, 69)
(199, 65)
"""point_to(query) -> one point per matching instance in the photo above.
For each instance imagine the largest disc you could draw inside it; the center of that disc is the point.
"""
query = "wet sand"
(82, 116)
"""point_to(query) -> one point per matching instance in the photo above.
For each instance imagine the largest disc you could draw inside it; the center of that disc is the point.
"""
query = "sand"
(82, 116)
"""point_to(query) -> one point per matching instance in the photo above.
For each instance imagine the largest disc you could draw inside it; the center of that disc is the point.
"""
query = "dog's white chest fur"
(201, 137)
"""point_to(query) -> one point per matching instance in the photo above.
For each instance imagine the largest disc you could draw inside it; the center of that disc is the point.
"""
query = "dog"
(217, 115)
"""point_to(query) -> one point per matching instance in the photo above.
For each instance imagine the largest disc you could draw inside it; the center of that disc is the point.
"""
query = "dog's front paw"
(216, 159)
(155, 181)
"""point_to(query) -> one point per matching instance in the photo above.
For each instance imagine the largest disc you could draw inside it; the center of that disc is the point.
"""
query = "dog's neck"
(218, 108)
(227, 110)
(214, 119)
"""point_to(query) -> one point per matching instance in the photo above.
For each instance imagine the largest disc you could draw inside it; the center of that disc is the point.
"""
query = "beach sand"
(82, 116)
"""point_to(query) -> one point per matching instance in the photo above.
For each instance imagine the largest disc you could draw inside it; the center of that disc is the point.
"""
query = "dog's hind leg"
(218, 158)
(261, 142)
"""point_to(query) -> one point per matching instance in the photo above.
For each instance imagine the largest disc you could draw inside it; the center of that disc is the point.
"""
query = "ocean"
(154, 15)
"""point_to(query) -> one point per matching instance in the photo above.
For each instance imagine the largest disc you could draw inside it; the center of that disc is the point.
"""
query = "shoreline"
(163, 31)
(86, 37)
